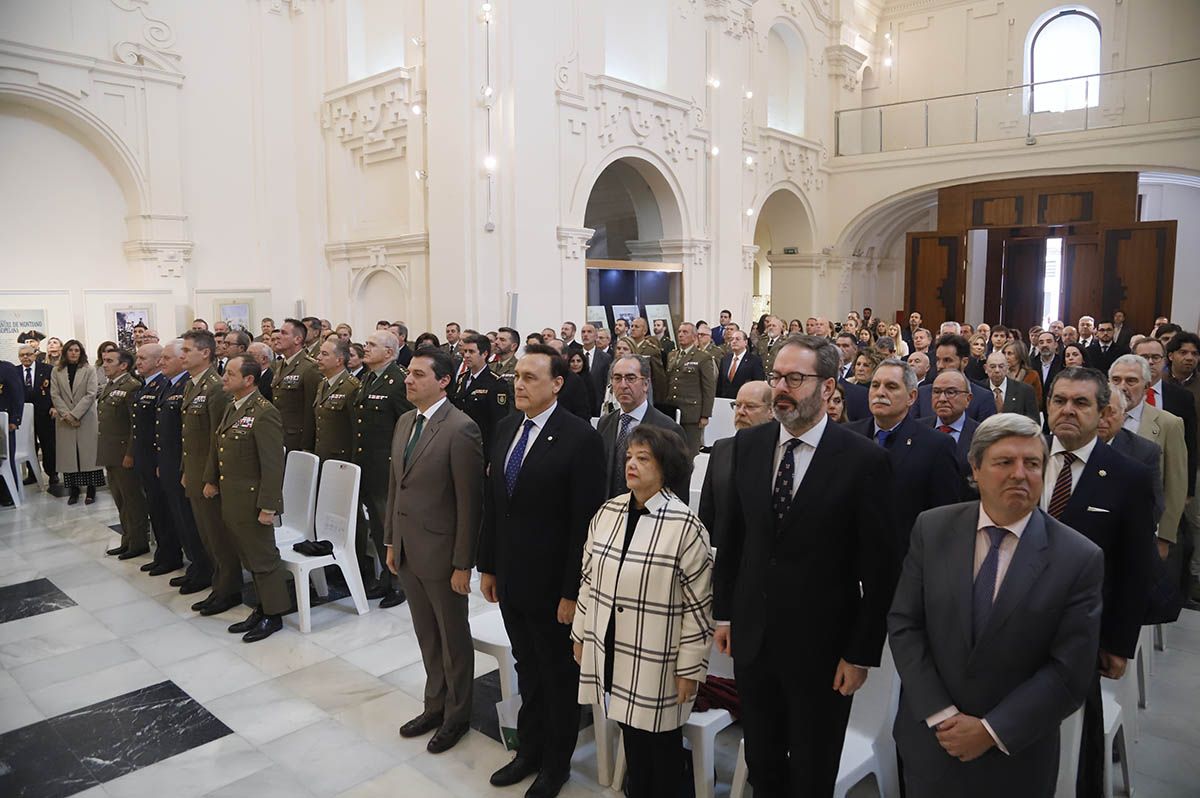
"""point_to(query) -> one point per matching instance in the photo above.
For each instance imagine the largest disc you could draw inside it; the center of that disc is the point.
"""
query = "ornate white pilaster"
(845, 64)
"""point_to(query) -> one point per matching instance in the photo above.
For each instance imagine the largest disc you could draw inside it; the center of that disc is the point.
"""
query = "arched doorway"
(784, 236)
(635, 257)
(380, 295)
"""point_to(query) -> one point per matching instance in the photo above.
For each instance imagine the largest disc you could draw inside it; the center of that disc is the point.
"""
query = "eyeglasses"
(629, 378)
(1153, 358)
(750, 406)
(949, 393)
(794, 380)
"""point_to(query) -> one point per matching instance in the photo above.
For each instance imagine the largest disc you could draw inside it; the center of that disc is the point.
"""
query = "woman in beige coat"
(73, 388)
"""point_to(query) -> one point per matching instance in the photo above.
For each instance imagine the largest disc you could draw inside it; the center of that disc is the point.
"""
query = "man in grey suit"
(598, 362)
(1011, 396)
(994, 628)
(631, 381)
(431, 528)
(754, 405)
(1145, 451)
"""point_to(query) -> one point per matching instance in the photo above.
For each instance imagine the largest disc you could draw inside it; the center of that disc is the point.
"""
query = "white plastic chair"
(299, 498)
(699, 469)
(741, 774)
(869, 748)
(1160, 641)
(1144, 664)
(1070, 739)
(490, 637)
(6, 465)
(337, 514)
(27, 449)
(1116, 734)
(720, 423)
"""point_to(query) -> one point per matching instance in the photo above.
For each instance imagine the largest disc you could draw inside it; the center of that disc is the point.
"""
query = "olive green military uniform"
(692, 387)
(294, 390)
(381, 401)
(312, 349)
(334, 411)
(768, 349)
(204, 402)
(505, 369)
(247, 467)
(650, 347)
(115, 409)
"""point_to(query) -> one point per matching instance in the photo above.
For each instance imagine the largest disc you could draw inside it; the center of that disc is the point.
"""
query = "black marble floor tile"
(486, 694)
(117, 528)
(31, 598)
(74, 751)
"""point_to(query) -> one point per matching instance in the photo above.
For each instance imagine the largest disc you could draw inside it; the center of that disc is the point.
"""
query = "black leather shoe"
(73, 498)
(446, 738)
(130, 554)
(177, 581)
(148, 566)
(547, 785)
(269, 625)
(421, 724)
(204, 602)
(517, 770)
(166, 568)
(117, 550)
(241, 627)
(394, 598)
(188, 588)
(218, 606)
(376, 591)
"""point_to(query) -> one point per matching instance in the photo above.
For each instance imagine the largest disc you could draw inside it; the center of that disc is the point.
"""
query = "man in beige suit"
(1131, 375)
(431, 527)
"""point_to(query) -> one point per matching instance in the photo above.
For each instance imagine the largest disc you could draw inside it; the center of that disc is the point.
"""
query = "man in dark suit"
(545, 482)
(1048, 361)
(265, 359)
(951, 395)
(481, 394)
(775, 576)
(925, 471)
(598, 362)
(994, 629)
(631, 381)
(567, 331)
(1133, 446)
(1173, 398)
(573, 397)
(1122, 332)
(435, 499)
(953, 352)
(1101, 353)
(12, 401)
(35, 379)
(168, 554)
(1009, 395)
(751, 408)
(1110, 499)
(738, 367)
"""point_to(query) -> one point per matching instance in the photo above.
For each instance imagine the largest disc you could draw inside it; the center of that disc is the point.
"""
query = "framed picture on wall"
(123, 318)
(662, 315)
(627, 312)
(238, 312)
(597, 316)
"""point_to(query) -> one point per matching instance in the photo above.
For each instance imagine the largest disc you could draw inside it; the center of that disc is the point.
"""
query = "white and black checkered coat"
(663, 599)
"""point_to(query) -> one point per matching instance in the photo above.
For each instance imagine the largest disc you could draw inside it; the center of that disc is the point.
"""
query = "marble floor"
(111, 686)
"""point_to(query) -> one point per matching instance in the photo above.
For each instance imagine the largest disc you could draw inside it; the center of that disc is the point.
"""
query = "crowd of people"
(1006, 509)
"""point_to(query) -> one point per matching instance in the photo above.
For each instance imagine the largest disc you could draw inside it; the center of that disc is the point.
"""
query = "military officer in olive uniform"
(505, 367)
(168, 556)
(246, 471)
(382, 399)
(294, 388)
(646, 345)
(479, 393)
(770, 343)
(204, 402)
(692, 386)
(335, 402)
(114, 451)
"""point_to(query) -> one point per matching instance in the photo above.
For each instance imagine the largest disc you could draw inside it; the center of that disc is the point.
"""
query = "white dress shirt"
(1158, 394)
(428, 414)
(539, 421)
(1133, 418)
(956, 426)
(1055, 465)
(802, 455)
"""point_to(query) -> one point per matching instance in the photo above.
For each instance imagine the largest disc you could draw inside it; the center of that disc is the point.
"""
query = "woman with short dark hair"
(73, 389)
(643, 622)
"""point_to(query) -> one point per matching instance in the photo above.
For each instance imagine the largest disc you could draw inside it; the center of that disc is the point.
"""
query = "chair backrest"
(337, 504)
(300, 491)
(720, 423)
(699, 469)
(25, 445)
(875, 704)
(4, 428)
(1070, 737)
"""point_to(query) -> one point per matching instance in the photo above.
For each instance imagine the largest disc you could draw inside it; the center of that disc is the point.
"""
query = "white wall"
(1181, 202)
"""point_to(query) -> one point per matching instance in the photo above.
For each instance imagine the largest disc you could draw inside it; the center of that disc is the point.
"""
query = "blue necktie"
(881, 437)
(985, 583)
(782, 498)
(513, 467)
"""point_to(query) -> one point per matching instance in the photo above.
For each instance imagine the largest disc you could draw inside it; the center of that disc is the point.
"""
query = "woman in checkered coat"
(643, 622)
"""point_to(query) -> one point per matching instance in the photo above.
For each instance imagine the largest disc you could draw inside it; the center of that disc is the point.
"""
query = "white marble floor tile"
(45, 623)
(386, 655)
(345, 632)
(333, 685)
(53, 643)
(328, 758)
(100, 595)
(65, 667)
(265, 712)
(283, 652)
(18, 573)
(380, 719)
(75, 575)
(133, 617)
(1169, 761)
(163, 645)
(405, 780)
(270, 782)
(96, 686)
(16, 710)
(192, 773)
(213, 675)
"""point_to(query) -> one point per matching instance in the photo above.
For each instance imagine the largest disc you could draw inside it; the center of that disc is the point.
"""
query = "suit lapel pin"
(908, 442)
(1103, 473)
(549, 438)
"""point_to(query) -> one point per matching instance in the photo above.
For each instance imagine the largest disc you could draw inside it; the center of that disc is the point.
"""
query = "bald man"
(754, 405)
(265, 359)
(168, 553)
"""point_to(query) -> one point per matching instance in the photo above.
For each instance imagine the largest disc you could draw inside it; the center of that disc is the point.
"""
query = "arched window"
(1065, 46)
(786, 59)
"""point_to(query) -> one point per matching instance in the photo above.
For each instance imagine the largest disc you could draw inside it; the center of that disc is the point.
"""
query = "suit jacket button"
(620, 609)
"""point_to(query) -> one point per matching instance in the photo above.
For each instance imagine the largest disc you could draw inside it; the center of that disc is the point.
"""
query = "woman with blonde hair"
(1018, 368)
(893, 331)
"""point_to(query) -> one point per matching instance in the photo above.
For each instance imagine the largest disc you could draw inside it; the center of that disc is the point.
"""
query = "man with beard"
(775, 575)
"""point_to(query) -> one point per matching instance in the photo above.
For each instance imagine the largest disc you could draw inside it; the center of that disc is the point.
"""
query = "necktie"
(782, 498)
(985, 583)
(368, 381)
(882, 436)
(1062, 486)
(1150, 400)
(416, 436)
(733, 366)
(999, 399)
(29, 380)
(588, 353)
(618, 465)
(946, 428)
(513, 467)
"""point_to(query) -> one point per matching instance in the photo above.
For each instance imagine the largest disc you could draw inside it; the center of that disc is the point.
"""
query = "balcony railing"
(1159, 93)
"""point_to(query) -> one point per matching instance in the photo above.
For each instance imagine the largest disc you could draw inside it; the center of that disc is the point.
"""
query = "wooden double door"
(1104, 267)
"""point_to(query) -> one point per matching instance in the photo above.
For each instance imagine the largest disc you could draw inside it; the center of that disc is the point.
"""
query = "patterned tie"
(782, 498)
(416, 436)
(882, 436)
(999, 399)
(29, 380)
(946, 428)
(733, 366)
(618, 464)
(513, 467)
(1062, 486)
(1150, 400)
(985, 583)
